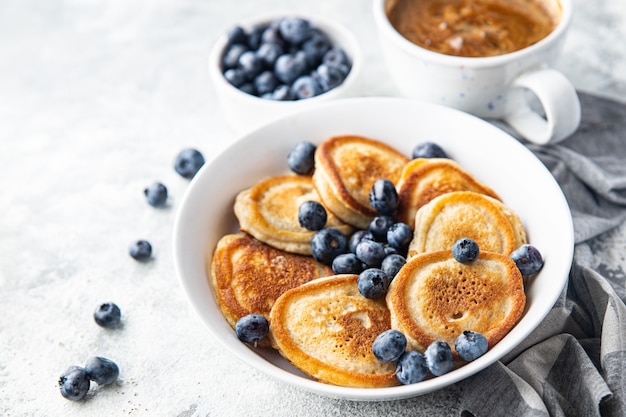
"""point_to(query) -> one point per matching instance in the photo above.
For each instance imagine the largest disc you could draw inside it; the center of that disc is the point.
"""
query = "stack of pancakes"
(319, 321)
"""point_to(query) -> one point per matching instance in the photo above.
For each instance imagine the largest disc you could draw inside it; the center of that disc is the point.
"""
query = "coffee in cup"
(483, 57)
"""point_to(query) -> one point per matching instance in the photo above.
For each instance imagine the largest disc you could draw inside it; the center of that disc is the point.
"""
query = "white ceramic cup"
(494, 87)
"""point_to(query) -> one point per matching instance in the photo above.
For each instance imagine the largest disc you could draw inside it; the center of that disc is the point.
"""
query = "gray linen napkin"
(573, 363)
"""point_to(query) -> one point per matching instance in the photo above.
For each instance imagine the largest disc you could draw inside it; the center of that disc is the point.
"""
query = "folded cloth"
(573, 363)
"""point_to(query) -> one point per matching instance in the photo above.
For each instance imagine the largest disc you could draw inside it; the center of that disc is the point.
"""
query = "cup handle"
(560, 105)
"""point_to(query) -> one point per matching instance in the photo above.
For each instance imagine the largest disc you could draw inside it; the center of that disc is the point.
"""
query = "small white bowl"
(491, 155)
(245, 112)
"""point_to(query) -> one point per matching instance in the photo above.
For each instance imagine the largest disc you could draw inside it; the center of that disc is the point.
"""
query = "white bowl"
(494, 157)
(245, 112)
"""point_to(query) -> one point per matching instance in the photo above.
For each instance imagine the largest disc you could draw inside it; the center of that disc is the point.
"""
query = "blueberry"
(373, 283)
(156, 194)
(252, 328)
(140, 250)
(314, 47)
(235, 76)
(379, 226)
(358, 236)
(74, 383)
(392, 264)
(255, 35)
(236, 35)
(438, 357)
(248, 88)
(370, 252)
(101, 370)
(107, 315)
(428, 150)
(265, 82)
(528, 259)
(390, 250)
(281, 93)
(188, 162)
(305, 87)
(312, 215)
(384, 197)
(293, 29)
(389, 345)
(470, 345)
(347, 263)
(269, 53)
(465, 250)
(329, 77)
(399, 235)
(230, 59)
(250, 64)
(301, 158)
(411, 368)
(288, 67)
(272, 35)
(336, 57)
(327, 244)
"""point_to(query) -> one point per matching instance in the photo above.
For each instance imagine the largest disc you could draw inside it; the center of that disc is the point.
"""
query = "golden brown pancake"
(434, 297)
(452, 216)
(346, 168)
(326, 329)
(269, 212)
(423, 179)
(248, 275)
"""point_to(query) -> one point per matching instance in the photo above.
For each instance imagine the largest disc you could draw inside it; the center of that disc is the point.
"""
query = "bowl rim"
(498, 351)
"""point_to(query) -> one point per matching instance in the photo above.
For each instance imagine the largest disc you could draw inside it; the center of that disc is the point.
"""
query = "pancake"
(269, 212)
(434, 297)
(326, 329)
(423, 179)
(248, 276)
(451, 216)
(346, 168)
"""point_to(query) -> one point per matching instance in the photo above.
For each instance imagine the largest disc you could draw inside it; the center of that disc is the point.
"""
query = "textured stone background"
(96, 99)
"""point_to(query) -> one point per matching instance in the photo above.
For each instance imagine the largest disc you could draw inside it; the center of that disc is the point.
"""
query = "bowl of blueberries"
(268, 67)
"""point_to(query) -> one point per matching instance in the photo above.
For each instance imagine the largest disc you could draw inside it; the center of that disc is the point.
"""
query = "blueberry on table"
(312, 215)
(347, 263)
(411, 368)
(107, 315)
(384, 197)
(74, 383)
(252, 328)
(470, 345)
(465, 250)
(438, 357)
(528, 259)
(140, 250)
(392, 264)
(156, 194)
(301, 158)
(327, 244)
(373, 283)
(188, 162)
(428, 150)
(101, 370)
(389, 345)
(370, 252)
(293, 29)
